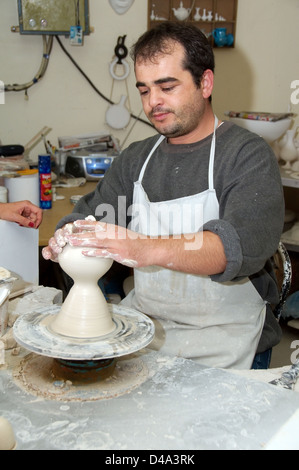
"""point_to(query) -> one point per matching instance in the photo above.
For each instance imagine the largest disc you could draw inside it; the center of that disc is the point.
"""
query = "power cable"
(47, 47)
(93, 85)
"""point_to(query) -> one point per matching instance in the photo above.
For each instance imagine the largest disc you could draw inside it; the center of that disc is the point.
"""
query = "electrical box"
(53, 16)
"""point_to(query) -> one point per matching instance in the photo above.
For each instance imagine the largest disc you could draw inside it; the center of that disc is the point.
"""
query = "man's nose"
(155, 98)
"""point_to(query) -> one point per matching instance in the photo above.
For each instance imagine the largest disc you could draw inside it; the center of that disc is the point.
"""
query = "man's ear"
(207, 83)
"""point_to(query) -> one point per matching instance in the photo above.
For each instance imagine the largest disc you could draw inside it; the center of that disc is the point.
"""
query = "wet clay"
(84, 313)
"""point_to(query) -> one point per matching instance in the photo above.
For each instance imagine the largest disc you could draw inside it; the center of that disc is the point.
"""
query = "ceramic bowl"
(269, 130)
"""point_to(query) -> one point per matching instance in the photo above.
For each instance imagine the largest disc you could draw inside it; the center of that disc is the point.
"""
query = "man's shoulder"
(140, 146)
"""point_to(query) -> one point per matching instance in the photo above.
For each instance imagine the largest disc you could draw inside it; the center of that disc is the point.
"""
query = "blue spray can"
(45, 181)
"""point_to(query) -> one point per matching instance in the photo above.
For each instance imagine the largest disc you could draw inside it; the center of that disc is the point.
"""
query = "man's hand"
(109, 241)
(57, 242)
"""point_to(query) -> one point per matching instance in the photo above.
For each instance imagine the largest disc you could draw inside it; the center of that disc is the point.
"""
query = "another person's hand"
(23, 213)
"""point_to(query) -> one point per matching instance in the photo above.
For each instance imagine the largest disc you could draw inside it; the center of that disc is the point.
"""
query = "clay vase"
(197, 16)
(84, 313)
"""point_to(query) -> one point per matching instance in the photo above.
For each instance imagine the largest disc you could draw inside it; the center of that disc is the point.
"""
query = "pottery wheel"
(133, 331)
(39, 376)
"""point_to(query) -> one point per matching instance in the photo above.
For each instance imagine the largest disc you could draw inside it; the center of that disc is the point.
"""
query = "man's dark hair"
(199, 55)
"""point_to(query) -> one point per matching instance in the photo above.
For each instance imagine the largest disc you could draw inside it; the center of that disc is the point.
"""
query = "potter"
(210, 304)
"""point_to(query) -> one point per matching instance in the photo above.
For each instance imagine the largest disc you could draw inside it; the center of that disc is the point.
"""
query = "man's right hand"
(57, 242)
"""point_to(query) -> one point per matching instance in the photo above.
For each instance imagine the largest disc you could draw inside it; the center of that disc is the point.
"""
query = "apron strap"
(161, 138)
(211, 163)
(212, 156)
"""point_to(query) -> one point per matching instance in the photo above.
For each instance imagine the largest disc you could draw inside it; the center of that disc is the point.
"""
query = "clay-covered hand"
(110, 241)
(57, 242)
(23, 213)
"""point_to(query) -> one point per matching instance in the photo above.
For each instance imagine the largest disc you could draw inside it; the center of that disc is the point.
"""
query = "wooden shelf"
(215, 11)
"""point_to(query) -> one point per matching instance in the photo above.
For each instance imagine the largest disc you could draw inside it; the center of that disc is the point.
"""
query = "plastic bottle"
(45, 181)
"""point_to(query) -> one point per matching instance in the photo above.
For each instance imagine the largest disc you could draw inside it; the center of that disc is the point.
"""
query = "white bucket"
(23, 187)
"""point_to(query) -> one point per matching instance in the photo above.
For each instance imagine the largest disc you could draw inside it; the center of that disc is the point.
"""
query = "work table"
(180, 405)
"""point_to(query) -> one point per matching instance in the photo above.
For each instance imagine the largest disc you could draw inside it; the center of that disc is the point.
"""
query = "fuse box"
(53, 17)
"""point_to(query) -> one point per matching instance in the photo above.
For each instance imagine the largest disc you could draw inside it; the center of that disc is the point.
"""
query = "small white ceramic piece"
(288, 152)
(117, 115)
(181, 13)
(7, 436)
(125, 72)
(84, 313)
(121, 6)
(197, 16)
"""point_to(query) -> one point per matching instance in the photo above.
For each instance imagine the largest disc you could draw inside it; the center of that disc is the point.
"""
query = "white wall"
(255, 75)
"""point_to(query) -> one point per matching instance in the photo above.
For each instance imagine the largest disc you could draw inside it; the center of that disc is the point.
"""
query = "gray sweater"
(249, 191)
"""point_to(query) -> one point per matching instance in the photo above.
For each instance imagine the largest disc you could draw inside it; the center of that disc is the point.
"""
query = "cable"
(92, 84)
(47, 47)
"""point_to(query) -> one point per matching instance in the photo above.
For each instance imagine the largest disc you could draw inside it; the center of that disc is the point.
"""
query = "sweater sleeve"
(251, 207)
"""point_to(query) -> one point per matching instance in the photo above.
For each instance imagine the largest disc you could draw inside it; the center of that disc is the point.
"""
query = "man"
(203, 213)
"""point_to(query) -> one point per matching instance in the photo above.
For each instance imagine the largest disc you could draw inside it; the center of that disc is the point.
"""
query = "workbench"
(178, 405)
(60, 208)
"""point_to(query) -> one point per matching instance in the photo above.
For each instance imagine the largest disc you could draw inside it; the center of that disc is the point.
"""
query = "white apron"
(216, 324)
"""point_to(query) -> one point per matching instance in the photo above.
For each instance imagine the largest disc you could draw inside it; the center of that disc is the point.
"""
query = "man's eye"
(166, 89)
(143, 92)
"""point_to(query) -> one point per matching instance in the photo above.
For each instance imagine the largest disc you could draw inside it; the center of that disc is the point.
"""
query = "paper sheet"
(19, 250)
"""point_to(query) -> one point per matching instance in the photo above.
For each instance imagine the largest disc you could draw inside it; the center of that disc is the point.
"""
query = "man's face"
(171, 100)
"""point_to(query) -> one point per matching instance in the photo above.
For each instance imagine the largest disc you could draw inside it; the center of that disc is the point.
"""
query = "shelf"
(216, 14)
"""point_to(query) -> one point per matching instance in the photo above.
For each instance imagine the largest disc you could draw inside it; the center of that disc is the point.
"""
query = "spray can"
(45, 181)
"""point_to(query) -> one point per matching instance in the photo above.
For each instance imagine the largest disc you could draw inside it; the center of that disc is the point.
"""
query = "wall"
(255, 75)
